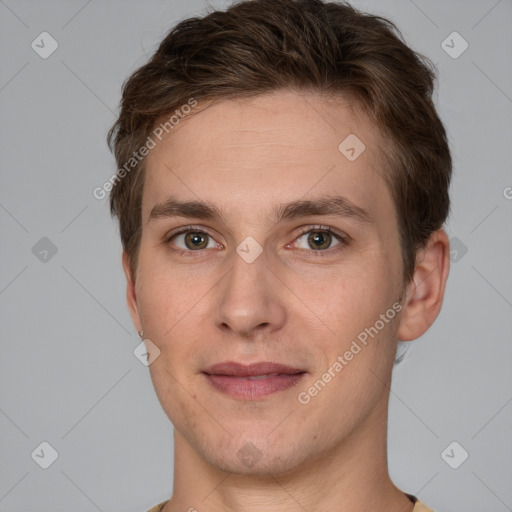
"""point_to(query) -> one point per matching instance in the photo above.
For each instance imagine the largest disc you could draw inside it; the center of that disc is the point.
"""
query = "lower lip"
(249, 389)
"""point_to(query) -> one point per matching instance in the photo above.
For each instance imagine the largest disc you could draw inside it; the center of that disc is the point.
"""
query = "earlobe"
(131, 296)
(425, 292)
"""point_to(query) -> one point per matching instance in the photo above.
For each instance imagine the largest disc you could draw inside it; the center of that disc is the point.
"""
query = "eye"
(319, 239)
(192, 240)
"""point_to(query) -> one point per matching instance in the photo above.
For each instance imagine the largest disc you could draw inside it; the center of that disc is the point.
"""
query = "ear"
(131, 297)
(425, 292)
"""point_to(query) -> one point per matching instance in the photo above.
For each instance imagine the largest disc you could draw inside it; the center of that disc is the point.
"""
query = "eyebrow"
(334, 205)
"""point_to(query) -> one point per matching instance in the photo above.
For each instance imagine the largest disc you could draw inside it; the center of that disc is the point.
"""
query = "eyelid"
(322, 228)
(342, 238)
(186, 229)
(189, 229)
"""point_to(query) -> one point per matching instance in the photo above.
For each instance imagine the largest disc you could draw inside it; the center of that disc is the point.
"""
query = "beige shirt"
(418, 507)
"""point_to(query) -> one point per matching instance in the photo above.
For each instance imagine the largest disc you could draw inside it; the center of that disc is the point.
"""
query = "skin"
(246, 156)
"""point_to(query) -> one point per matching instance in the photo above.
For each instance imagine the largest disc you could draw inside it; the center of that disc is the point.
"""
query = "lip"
(244, 381)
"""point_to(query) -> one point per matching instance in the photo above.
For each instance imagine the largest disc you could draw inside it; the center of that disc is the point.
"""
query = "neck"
(351, 476)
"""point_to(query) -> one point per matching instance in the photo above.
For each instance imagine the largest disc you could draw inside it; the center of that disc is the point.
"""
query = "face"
(275, 311)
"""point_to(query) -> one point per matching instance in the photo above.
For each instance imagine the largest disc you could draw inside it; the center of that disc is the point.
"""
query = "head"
(238, 114)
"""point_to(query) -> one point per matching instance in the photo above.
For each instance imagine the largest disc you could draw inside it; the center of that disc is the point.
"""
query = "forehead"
(276, 147)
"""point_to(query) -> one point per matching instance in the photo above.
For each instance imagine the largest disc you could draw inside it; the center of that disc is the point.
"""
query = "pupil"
(318, 239)
(196, 239)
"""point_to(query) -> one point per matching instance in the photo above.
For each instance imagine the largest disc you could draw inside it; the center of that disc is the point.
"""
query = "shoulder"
(420, 507)
(160, 506)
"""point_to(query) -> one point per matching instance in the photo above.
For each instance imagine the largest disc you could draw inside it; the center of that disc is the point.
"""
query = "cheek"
(172, 316)
(173, 308)
(165, 295)
(180, 406)
(354, 372)
(352, 299)
(353, 304)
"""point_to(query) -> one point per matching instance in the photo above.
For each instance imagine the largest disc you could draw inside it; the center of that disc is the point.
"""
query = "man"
(282, 186)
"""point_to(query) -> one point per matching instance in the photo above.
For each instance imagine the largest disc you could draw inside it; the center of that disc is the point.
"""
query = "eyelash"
(343, 239)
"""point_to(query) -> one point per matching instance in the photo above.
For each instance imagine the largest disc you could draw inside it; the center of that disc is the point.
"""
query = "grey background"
(68, 375)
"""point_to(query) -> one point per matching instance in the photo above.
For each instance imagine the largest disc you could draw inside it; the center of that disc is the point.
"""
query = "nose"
(249, 299)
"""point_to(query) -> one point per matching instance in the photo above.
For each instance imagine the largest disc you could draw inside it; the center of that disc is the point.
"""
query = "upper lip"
(239, 370)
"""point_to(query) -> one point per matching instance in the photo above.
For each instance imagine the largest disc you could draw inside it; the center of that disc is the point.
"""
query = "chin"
(256, 456)
(275, 465)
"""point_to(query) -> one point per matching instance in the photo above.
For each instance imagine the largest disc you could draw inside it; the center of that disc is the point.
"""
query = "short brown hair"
(260, 46)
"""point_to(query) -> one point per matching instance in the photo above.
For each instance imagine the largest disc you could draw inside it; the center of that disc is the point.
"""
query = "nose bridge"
(246, 299)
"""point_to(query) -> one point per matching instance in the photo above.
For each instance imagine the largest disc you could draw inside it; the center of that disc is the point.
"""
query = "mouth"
(254, 381)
